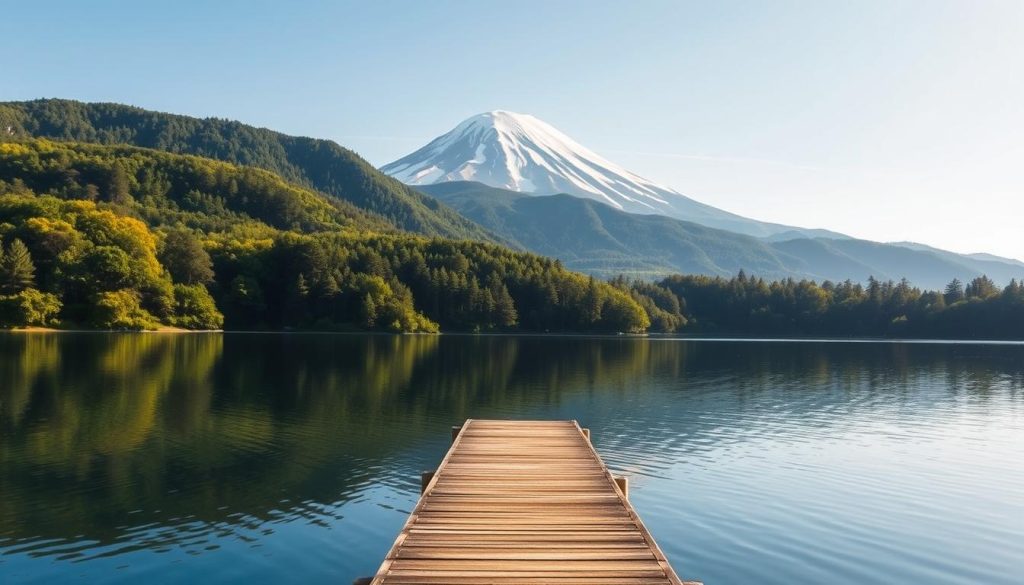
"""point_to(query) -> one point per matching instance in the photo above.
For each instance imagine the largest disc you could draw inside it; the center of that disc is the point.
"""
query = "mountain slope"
(979, 261)
(320, 164)
(596, 238)
(128, 237)
(174, 189)
(522, 153)
(593, 237)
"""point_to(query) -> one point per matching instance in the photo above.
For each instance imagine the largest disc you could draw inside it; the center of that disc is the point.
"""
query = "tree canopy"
(754, 307)
(308, 162)
(131, 238)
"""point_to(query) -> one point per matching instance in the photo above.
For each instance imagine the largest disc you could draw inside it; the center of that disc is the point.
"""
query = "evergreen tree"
(186, 259)
(954, 291)
(1014, 292)
(874, 290)
(504, 306)
(17, 272)
(981, 287)
(592, 303)
(368, 311)
(118, 186)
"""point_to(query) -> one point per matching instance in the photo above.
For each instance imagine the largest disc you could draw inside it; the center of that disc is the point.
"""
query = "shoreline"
(633, 336)
(164, 329)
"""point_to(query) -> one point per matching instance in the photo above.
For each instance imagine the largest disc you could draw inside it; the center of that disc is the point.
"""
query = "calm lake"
(264, 458)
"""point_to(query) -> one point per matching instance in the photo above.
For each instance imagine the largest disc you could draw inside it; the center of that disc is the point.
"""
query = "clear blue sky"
(887, 120)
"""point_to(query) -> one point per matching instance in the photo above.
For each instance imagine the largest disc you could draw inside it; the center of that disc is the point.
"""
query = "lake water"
(263, 458)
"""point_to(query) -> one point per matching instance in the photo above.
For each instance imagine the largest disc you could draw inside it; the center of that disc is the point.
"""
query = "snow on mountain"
(522, 153)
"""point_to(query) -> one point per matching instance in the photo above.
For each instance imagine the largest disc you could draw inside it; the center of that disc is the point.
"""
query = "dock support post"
(623, 483)
(456, 429)
(425, 478)
(363, 581)
(586, 434)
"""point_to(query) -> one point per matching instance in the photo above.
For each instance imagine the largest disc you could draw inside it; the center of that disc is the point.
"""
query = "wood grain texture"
(524, 502)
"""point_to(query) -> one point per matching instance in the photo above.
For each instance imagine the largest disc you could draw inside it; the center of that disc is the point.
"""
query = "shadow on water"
(112, 444)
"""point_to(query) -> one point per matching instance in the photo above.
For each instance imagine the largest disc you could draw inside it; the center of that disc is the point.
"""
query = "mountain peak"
(523, 153)
(503, 117)
(504, 123)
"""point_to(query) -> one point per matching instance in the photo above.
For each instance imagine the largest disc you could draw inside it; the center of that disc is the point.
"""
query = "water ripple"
(297, 458)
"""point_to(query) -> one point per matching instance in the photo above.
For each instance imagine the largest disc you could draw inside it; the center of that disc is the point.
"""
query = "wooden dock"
(523, 502)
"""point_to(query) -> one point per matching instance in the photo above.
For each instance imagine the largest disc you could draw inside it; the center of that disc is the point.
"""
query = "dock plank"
(524, 502)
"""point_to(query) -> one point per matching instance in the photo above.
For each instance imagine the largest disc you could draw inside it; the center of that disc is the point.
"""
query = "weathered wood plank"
(523, 502)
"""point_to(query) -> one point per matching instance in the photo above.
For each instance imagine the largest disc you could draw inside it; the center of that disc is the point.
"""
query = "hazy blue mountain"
(522, 153)
(804, 233)
(590, 236)
(593, 237)
(832, 258)
(979, 260)
(993, 258)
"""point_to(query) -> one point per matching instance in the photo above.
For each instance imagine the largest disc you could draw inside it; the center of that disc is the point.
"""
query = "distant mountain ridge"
(321, 164)
(522, 153)
(980, 257)
(592, 237)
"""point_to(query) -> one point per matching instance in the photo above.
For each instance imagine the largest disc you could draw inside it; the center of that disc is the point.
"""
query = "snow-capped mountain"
(522, 153)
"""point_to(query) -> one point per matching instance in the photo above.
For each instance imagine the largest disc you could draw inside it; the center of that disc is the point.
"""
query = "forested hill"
(320, 164)
(121, 237)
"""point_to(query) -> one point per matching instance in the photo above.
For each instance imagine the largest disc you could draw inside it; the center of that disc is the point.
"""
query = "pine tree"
(369, 312)
(17, 272)
(186, 259)
(505, 314)
(505, 308)
(874, 290)
(1013, 291)
(118, 185)
(592, 303)
(954, 291)
(981, 287)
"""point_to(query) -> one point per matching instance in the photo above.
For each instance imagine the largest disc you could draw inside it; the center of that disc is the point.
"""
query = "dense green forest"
(746, 306)
(124, 237)
(319, 164)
